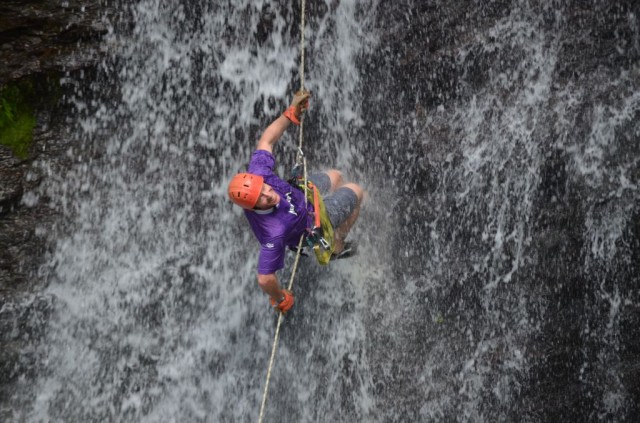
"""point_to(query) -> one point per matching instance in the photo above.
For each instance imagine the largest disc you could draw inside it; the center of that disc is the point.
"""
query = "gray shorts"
(339, 203)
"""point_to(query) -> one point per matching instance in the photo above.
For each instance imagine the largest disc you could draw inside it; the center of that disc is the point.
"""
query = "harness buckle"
(324, 243)
(314, 237)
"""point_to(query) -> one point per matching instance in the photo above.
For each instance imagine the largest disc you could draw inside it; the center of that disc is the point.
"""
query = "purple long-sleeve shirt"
(282, 225)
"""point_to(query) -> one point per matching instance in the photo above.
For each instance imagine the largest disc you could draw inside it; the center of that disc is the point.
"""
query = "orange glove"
(284, 305)
(298, 106)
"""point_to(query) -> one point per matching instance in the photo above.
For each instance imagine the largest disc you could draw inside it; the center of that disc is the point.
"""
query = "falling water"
(497, 279)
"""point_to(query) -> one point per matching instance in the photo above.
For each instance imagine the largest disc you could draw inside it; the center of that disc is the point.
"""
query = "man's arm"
(274, 131)
(269, 284)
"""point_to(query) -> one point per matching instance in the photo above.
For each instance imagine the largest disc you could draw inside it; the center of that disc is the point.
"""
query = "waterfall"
(498, 267)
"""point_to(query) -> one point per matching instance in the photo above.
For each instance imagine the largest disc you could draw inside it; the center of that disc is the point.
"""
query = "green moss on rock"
(17, 118)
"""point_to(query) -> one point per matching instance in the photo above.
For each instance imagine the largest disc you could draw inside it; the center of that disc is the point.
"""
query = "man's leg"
(343, 229)
(342, 202)
(343, 207)
(328, 181)
(335, 176)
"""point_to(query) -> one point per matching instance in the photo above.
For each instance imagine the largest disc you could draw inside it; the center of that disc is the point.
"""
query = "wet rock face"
(40, 42)
(43, 36)
(577, 356)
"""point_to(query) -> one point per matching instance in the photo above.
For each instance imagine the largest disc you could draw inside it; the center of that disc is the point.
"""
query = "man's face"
(268, 198)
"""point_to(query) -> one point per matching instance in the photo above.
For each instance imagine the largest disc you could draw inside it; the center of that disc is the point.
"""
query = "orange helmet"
(244, 189)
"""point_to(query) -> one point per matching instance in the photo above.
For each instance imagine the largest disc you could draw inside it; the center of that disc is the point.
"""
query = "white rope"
(300, 132)
(302, 24)
(295, 264)
(277, 335)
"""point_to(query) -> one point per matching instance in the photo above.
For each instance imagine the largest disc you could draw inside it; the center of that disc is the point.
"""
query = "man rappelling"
(278, 214)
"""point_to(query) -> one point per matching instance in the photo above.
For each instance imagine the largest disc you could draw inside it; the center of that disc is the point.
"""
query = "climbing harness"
(320, 236)
(300, 159)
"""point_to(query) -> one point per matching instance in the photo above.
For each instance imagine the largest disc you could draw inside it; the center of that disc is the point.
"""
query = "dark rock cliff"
(41, 43)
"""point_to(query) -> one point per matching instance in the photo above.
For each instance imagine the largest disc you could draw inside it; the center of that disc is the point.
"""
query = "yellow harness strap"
(323, 230)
